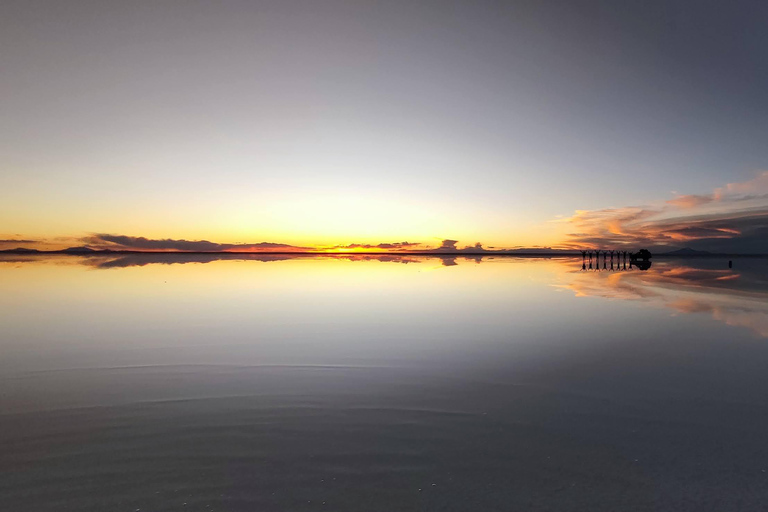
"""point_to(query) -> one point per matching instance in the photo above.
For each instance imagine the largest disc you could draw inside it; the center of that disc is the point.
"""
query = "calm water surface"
(268, 383)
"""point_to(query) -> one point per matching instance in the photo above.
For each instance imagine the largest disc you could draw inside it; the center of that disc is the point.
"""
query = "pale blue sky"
(472, 120)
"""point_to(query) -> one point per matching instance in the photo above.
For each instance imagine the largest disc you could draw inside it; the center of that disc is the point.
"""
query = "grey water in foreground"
(382, 384)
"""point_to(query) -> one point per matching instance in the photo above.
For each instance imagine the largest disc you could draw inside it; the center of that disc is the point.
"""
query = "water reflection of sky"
(406, 306)
(355, 309)
(556, 386)
(737, 296)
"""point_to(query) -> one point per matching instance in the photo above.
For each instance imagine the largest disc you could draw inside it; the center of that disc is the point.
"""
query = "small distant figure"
(730, 263)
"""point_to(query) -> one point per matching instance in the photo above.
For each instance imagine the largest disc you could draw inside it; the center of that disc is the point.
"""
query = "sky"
(390, 125)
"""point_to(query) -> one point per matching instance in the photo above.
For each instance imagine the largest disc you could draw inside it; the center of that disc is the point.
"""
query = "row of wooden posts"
(622, 256)
(597, 252)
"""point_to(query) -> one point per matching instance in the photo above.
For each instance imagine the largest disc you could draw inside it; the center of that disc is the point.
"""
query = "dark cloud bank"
(140, 243)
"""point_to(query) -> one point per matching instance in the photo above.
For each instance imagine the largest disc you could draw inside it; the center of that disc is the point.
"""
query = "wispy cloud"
(690, 201)
(17, 241)
(397, 246)
(731, 218)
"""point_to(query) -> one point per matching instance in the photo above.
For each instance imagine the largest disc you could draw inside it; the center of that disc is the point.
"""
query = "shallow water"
(240, 383)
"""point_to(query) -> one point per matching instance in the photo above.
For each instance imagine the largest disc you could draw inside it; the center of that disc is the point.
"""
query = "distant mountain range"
(70, 250)
(687, 251)
(21, 250)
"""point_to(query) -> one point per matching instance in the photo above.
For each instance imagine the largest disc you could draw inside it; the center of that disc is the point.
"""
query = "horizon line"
(513, 252)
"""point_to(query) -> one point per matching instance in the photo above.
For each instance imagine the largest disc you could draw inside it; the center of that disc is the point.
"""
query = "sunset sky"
(330, 124)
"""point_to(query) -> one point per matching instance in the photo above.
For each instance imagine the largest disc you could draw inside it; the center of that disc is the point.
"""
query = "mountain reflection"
(125, 260)
(134, 260)
(737, 297)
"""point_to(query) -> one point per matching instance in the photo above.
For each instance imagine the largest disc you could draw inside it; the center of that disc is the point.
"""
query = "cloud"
(690, 201)
(733, 218)
(448, 245)
(752, 188)
(18, 241)
(140, 243)
(383, 246)
(117, 242)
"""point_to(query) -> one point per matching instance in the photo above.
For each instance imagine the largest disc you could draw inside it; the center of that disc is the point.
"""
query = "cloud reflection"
(737, 297)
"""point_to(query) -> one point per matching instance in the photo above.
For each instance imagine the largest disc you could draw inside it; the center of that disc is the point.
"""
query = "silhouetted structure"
(643, 264)
(642, 254)
(640, 260)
